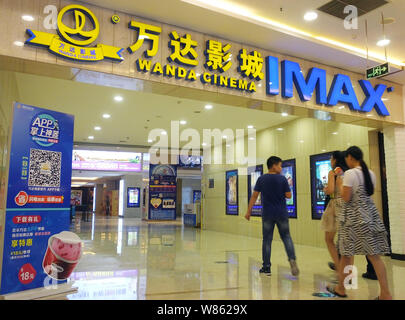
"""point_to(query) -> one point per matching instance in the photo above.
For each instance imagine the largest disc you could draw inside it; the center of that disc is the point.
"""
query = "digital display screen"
(133, 200)
(253, 174)
(106, 160)
(190, 161)
(232, 192)
(289, 171)
(320, 167)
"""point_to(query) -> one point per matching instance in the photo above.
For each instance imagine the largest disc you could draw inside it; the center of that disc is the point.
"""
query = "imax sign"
(341, 89)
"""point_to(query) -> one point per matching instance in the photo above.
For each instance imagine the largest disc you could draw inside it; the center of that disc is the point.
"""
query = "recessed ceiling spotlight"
(18, 43)
(250, 127)
(251, 138)
(284, 114)
(208, 107)
(106, 116)
(335, 133)
(203, 144)
(91, 137)
(280, 129)
(183, 121)
(97, 128)
(341, 107)
(118, 98)
(323, 150)
(27, 18)
(383, 42)
(310, 16)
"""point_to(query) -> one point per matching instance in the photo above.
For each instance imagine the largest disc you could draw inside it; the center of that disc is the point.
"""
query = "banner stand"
(39, 293)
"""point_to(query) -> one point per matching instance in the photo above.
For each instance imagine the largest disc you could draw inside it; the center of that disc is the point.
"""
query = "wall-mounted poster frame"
(289, 171)
(133, 197)
(253, 174)
(319, 167)
(232, 196)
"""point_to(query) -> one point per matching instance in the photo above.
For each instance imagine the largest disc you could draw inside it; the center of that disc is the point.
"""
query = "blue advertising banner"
(232, 197)
(38, 201)
(162, 192)
(253, 174)
(289, 171)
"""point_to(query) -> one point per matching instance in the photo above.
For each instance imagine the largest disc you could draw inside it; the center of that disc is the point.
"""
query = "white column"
(394, 141)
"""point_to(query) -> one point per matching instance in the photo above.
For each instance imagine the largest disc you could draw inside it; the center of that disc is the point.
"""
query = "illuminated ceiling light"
(150, 140)
(323, 150)
(228, 145)
(250, 127)
(27, 18)
(118, 98)
(284, 114)
(164, 133)
(251, 138)
(341, 107)
(91, 137)
(383, 42)
(183, 122)
(85, 178)
(208, 107)
(18, 43)
(301, 141)
(106, 116)
(384, 99)
(280, 129)
(335, 133)
(310, 16)
(97, 128)
(369, 115)
(242, 13)
(224, 137)
(203, 144)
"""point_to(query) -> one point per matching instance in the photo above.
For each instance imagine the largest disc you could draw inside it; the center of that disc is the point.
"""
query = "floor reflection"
(133, 259)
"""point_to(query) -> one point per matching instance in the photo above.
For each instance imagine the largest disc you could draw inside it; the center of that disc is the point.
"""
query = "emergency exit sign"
(378, 71)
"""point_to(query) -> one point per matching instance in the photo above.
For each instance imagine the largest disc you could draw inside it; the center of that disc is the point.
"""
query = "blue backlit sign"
(341, 89)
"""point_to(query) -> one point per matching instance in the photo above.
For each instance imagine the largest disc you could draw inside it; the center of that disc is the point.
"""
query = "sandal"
(332, 290)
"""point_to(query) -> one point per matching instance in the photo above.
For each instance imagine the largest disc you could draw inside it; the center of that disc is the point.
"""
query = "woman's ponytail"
(367, 178)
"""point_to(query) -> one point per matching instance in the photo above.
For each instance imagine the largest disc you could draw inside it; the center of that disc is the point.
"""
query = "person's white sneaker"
(294, 268)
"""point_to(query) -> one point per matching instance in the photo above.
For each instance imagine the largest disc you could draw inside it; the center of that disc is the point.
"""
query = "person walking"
(274, 190)
(328, 221)
(361, 230)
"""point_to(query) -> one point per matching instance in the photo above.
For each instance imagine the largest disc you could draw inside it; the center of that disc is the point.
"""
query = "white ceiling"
(211, 20)
(133, 118)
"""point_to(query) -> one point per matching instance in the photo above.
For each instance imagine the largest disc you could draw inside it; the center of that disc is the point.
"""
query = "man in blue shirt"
(274, 189)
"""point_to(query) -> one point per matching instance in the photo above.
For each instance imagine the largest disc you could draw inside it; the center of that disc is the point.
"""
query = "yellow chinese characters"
(145, 32)
(218, 57)
(251, 65)
(183, 50)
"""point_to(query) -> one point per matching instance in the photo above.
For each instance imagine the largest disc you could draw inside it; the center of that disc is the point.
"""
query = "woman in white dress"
(361, 230)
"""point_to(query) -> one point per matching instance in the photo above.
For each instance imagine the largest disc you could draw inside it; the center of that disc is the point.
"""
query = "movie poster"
(253, 174)
(289, 171)
(320, 167)
(232, 192)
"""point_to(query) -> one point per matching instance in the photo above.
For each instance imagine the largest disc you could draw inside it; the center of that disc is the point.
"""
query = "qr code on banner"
(44, 168)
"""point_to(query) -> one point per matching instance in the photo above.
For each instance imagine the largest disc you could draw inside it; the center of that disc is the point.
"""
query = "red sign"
(26, 219)
(23, 198)
(27, 273)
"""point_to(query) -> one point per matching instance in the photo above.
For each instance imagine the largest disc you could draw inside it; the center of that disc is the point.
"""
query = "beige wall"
(317, 136)
(8, 94)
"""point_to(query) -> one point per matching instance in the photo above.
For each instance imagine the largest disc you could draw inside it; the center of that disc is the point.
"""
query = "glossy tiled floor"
(133, 259)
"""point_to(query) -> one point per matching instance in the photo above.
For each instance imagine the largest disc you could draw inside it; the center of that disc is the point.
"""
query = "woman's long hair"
(357, 154)
(340, 160)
